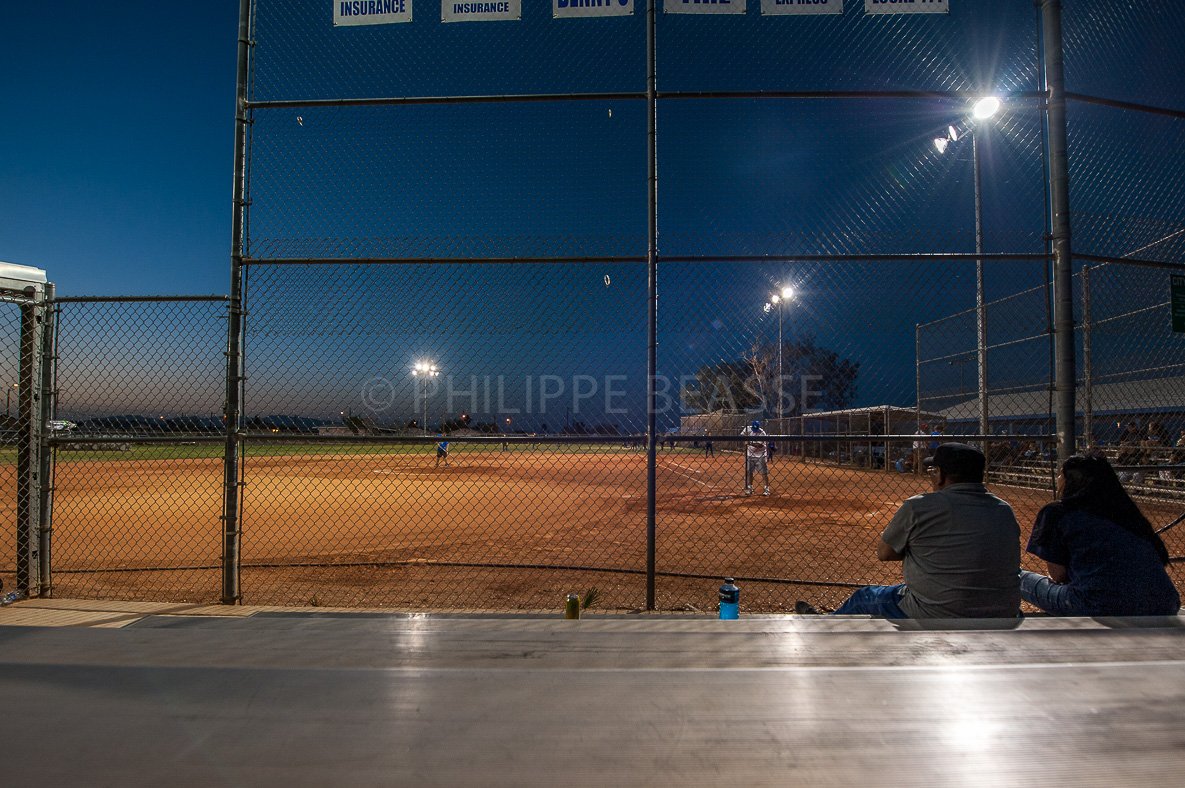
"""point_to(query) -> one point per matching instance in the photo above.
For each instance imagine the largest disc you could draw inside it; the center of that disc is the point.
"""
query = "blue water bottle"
(730, 600)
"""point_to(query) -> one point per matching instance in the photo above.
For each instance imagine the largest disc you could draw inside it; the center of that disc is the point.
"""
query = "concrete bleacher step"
(295, 698)
(334, 639)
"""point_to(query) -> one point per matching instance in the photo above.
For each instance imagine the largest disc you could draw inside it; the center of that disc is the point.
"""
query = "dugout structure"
(878, 436)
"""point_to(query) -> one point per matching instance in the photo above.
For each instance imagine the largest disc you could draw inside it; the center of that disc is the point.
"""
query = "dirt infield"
(496, 529)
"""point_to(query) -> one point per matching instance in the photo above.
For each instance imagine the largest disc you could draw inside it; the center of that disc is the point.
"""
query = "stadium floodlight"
(425, 370)
(779, 300)
(982, 110)
(941, 143)
(986, 107)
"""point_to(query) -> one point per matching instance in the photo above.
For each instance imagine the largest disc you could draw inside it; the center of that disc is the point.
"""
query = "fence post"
(29, 445)
(917, 344)
(981, 339)
(231, 592)
(1087, 384)
(49, 395)
(651, 303)
(1059, 195)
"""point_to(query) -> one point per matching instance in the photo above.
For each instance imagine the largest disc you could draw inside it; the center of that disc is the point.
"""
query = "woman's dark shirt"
(1113, 572)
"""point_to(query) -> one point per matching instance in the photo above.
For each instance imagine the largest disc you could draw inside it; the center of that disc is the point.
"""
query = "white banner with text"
(489, 11)
(370, 12)
(573, 9)
(704, 6)
(803, 7)
(906, 7)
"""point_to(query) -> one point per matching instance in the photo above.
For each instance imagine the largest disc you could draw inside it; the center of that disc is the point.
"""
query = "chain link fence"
(138, 472)
(443, 307)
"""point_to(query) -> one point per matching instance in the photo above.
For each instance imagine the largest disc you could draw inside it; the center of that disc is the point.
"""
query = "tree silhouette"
(814, 379)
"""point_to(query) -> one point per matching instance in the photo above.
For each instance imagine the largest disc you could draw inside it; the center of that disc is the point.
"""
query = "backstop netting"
(446, 296)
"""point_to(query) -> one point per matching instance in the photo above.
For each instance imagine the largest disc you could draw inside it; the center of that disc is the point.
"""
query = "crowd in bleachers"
(1131, 453)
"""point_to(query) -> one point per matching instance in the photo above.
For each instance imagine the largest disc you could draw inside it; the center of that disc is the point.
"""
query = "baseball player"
(756, 453)
(441, 450)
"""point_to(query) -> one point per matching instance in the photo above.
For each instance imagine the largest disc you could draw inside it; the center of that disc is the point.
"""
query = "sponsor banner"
(568, 9)
(795, 7)
(704, 6)
(906, 7)
(370, 12)
(480, 10)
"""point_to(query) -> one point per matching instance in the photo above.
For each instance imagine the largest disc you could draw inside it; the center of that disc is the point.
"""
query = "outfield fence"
(465, 229)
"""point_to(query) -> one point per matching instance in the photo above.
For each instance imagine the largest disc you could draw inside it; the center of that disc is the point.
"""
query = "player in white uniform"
(756, 453)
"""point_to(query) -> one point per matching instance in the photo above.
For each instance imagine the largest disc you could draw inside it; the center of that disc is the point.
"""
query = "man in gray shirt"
(960, 548)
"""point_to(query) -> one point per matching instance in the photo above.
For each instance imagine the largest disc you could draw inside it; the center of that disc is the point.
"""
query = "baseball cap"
(958, 459)
(756, 425)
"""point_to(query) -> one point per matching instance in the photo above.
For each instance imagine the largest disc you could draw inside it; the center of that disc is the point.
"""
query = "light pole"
(982, 110)
(779, 300)
(425, 370)
(961, 362)
(8, 405)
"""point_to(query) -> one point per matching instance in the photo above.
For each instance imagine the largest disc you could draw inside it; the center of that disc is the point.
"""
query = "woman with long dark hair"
(1103, 557)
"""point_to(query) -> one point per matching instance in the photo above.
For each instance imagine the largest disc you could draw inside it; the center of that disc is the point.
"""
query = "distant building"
(1108, 405)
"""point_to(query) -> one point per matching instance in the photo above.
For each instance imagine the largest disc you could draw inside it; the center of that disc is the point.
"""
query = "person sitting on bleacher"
(1129, 451)
(1103, 557)
(1178, 456)
(1156, 448)
(959, 547)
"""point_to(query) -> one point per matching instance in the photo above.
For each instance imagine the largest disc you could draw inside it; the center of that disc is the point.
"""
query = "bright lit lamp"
(986, 107)
(951, 136)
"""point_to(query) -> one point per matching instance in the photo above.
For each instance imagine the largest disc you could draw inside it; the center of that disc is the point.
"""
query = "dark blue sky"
(116, 143)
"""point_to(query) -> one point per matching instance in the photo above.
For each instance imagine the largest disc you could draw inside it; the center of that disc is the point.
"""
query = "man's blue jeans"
(1039, 590)
(874, 601)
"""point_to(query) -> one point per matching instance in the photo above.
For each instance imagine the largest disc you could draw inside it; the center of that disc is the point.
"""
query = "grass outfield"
(206, 451)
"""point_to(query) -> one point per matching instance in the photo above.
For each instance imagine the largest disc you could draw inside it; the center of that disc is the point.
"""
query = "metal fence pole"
(1087, 392)
(651, 302)
(232, 413)
(980, 306)
(1047, 267)
(917, 343)
(45, 458)
(1059, 192)
(28, 461)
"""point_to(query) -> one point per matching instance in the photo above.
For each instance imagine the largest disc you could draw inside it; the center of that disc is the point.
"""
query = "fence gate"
(138, 460)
